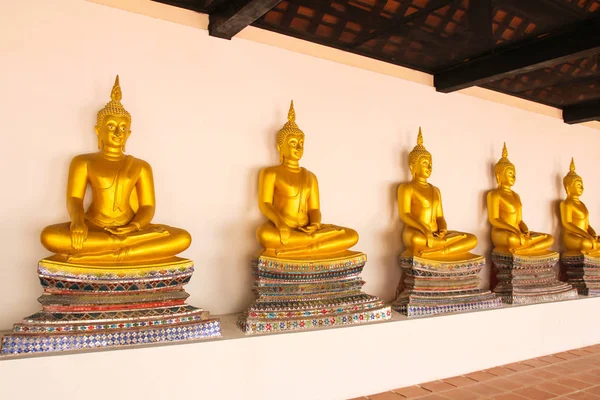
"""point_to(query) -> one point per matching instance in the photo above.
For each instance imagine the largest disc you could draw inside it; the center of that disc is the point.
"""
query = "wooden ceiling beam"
(398, 25)
(580, 40)
(229, 19)
(584, 112)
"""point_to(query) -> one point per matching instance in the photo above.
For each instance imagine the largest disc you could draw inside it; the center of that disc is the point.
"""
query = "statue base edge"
(253, 326)
(411, 308)
(19, 344)
(583, 272)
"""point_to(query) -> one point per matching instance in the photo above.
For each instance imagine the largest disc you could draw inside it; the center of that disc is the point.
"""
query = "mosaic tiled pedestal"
(529, 279)
(583, 272)
(305, 294)
(87, 306)
(437, 287)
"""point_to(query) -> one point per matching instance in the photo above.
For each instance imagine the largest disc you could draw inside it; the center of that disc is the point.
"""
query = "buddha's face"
(292, 147)
(576, 188)
(423, 167)
(508, 177)
(114, 131)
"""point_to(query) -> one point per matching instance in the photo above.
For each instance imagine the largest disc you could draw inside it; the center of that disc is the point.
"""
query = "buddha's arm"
(314, 206)
(404, 210)
(146, 197)
(75, 193)
(566, 217)
(522, 225)
(266, 190)
(147, 203)
(440, 220)
(493, 206)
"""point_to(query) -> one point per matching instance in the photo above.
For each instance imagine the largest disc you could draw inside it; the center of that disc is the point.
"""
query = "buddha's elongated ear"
(100, 142)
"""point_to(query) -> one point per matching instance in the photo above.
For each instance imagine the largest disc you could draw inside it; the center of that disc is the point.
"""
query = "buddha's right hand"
(79, 232)
(430, 239)
(284, 233)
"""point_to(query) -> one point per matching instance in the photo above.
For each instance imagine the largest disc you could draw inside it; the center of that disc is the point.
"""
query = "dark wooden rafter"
(229, 18)
(577, 40)
(479, 18)
(400, 24)
(584, 112)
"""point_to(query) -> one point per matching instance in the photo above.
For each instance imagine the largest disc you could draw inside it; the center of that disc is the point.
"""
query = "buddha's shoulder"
(270, 170)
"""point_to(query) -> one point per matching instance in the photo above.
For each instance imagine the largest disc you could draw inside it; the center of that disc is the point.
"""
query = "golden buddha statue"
(288, 195)
(578, 236)
(116, 227)
(425, 231)
(510, 234)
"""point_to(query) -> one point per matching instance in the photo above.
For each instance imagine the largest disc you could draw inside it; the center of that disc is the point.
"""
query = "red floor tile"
(554, 388)
(433, 396)
(534, 362)
(500, 371)
(566, 355)
(551, 359)
(518, 367)
(386, 396)
(581, 396)
(534, 394)
(543, 373)
(574, 374)
(506, 384)
(411, 392)
(588, 377)
(480, 376)
(459, 381)
(485, 390)
(510, 396)
(461, 394)
(573, 383)
(436, 386)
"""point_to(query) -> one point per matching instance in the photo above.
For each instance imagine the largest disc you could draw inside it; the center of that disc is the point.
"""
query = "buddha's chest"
(423, 197)
(579, 211)
(290, 185)
(108, 175)
(509, 203)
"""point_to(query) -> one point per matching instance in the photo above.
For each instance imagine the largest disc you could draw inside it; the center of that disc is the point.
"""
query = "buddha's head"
(114, 122)
(505, 171)
(290, 139)
(419, 159)
(572, 182)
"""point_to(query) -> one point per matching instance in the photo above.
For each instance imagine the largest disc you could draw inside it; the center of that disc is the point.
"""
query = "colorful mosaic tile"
(437, 287)
(86, 307)
(294, 295)
(583, 272)
(27, 344)
(529, 279)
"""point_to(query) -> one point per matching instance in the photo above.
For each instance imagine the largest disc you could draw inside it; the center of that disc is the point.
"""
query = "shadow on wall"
(487, 274)
(392, 237)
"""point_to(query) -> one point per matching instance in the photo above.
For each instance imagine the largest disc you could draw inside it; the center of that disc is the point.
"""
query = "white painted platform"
(336, 363)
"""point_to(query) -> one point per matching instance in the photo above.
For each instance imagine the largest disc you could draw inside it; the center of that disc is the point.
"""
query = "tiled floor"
(573, 374)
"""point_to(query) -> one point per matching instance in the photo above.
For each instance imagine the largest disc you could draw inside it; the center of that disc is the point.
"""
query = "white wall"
(205, 114)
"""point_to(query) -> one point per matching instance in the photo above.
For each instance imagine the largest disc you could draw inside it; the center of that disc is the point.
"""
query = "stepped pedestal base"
(529, 279)
(305, 294)
(438, 287)
(583, 272)
(86, 306)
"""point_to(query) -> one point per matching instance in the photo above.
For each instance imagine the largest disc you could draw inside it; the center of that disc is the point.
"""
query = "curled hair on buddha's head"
(503, 164)
(290, 128)
(114, 106)
(571, 177)
(417, 152)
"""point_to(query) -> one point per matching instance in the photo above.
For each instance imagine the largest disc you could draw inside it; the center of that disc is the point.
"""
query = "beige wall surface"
(205, 114)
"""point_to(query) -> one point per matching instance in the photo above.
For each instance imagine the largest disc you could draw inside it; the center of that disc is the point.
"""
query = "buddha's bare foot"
(435, 252)
(114, 257)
